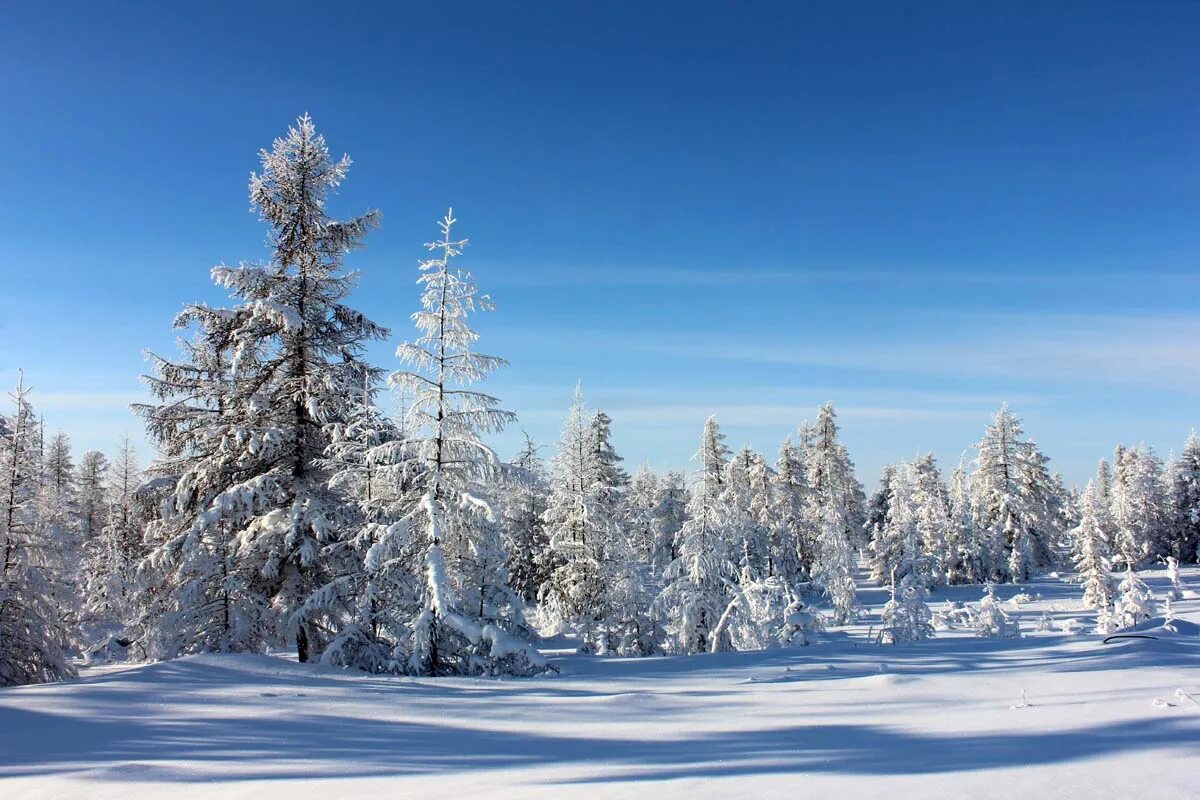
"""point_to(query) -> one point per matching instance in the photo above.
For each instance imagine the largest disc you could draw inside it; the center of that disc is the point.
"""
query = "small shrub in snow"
(762, 614)
(906, 616)
(1134, 603)
(990, 620)
(1176, 590)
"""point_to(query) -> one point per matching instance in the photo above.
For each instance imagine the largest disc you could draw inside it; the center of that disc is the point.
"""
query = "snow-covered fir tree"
(836, 512)
(243, 421)
(34, 639)
(1092, 538)
(470, 621)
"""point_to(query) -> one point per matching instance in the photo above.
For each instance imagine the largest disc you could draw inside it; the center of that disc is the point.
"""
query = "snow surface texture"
(1048, 715)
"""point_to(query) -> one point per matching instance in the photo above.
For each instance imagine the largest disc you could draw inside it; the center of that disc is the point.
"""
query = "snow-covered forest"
(285, 509)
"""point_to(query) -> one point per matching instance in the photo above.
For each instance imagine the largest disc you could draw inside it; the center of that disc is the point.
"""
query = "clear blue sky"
(916, 210)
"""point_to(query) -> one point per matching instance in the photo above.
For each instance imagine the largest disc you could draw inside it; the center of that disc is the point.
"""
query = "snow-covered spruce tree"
(113, 554)
(1137, 505)
(470, 620)
(747, 494)
(1183, 504)
(836, 512)
(895, 548)
(1134, 602)
(916, 529)
(190, 595)
(526, 488)
(91, 489)
(875, 525)
(700, 581)
(778, 552)
(243, 421)
(641, 502)
(371, 599)
(626, 626)
(990, 620)
(962, 561)
(629, 627)
(791, 540)
(670, 513)
(934, 521)
(34, 640)
(1092, 561)
(573, 597)
(1091, 546)
(906, 616)
(59, 518)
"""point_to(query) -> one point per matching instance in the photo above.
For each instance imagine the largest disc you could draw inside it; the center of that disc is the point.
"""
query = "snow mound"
(1166, 628)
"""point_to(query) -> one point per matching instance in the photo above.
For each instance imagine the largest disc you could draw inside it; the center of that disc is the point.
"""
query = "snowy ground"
(937, 719)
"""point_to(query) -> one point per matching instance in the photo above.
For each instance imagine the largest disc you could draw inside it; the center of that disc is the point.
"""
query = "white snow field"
(1046, 716)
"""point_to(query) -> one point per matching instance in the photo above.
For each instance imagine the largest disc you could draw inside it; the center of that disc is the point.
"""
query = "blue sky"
(915, 210)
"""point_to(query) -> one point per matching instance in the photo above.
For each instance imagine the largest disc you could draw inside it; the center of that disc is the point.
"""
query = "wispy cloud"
(610, 275)
(87, 400)
(1054, 349)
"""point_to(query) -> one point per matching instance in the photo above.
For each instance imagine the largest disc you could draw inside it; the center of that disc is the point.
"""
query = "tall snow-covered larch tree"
(291, 356)
(837, 515)
(791, 545)
(1016, 510)
(470, 621)
(33, 638)
(91, 489)
(700, 581)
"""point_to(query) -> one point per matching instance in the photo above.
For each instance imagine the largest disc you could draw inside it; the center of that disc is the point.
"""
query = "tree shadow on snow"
(331, 746)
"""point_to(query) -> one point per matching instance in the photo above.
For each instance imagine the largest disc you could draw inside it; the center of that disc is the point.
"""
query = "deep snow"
(1048, 715)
